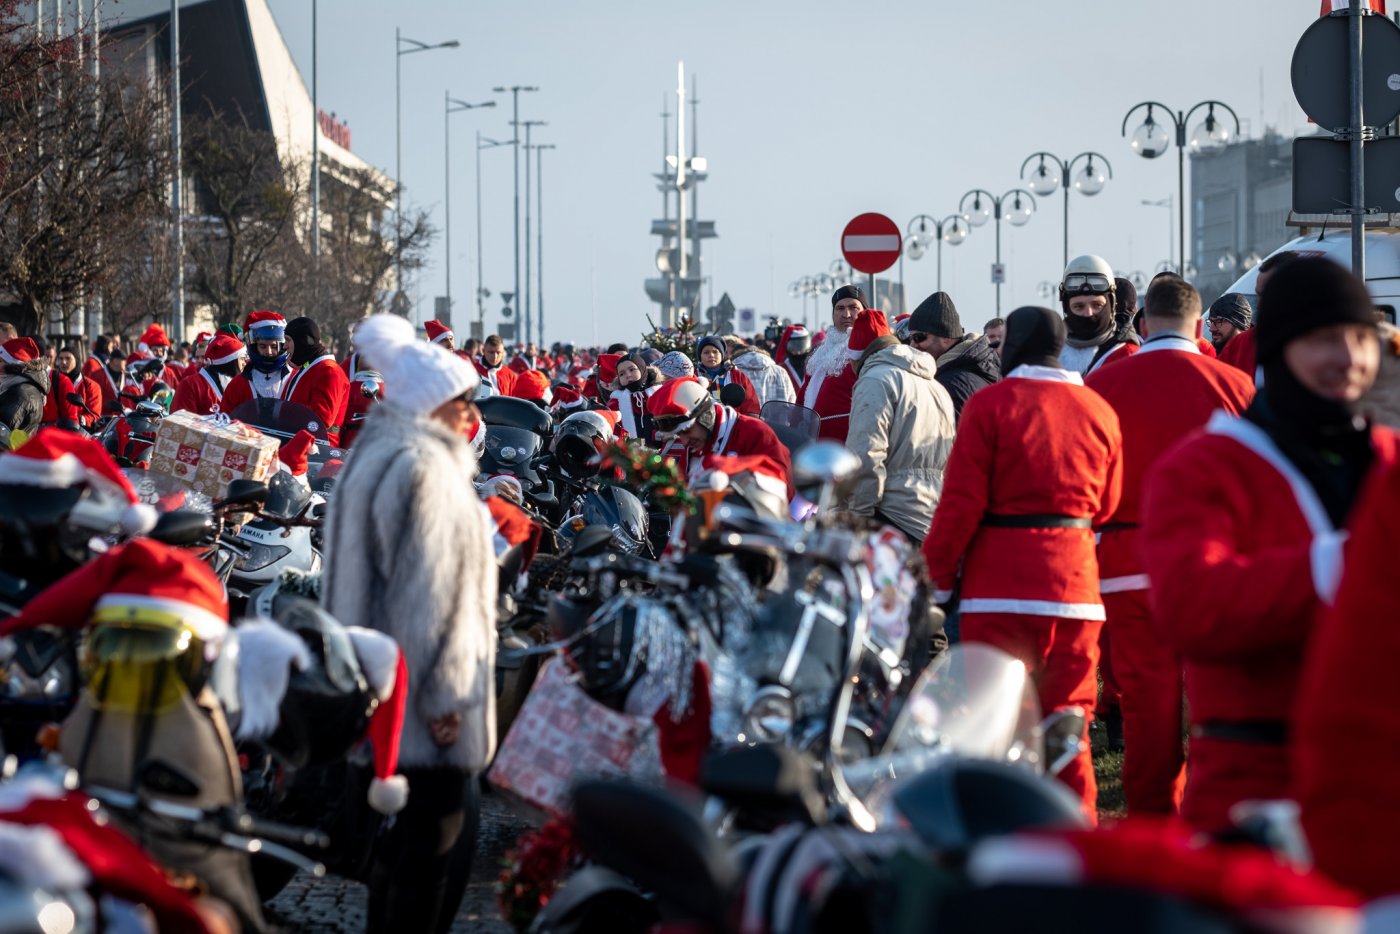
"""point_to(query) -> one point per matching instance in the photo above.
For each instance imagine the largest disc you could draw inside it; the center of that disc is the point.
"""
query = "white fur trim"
(1084, 611)
(205, 624)
(228, 358)
(379, 659)
(37, 856)
(139, 518)
(445, 335)
(1254, 438)
(26, 787)
(1046, 374)
(1125, 583)
(267, 653)
(1042, 860)
(1169, 340)
(388, 795)
(1325, 561)
(62, 471)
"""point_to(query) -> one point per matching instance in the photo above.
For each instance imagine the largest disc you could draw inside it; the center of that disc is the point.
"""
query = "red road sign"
(871, 243)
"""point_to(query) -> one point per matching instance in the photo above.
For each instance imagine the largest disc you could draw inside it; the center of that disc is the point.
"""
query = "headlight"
(260, 556)
(769, 715)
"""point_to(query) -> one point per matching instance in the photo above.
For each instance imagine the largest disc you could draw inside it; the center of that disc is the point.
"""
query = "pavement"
(333, 905)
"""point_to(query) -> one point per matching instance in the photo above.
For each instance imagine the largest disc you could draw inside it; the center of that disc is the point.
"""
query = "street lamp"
(482, 293)
(451, 106)
(924, 230)
(525, 296)
(1087, 181)
(399, 52)
(1151, 140)
(539, 234)
(515, 90)
(1016, 206)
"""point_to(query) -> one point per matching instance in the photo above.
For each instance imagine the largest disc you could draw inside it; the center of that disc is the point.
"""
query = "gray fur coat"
(409, 553)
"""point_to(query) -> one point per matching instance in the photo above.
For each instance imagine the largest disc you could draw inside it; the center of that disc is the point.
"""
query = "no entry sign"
(871, 243)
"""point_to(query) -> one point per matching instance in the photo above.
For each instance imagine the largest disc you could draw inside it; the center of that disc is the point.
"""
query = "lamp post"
(1089, 181)
(924, 229)
(515, 90)
(539, 236)
(451, 106)
(413, 45)
(1151, 140)
(482, 293)
(524, 299)
(1019, 206)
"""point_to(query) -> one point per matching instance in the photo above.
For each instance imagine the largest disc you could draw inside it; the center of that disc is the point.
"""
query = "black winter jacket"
(24, 389)
(966, 367)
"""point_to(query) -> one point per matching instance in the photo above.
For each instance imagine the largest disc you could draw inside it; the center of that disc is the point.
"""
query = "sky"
(811, 112)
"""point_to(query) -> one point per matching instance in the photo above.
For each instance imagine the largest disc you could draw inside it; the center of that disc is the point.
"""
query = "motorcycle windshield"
(795, 425)
(287, 497)
(278, 418)
(509, 450)
(975, 701)
(165, 493)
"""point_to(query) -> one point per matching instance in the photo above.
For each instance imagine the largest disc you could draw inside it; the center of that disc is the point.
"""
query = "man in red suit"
(684, 411)
(67, 363)
(1037, 462)
(318, 382)
(1243, 528)
(830, 377)
(793, 350)
(1165, 391)
(492, 368)
(268, 366)
(204, 393)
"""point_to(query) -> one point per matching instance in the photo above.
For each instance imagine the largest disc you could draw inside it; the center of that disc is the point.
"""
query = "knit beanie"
(1034, 337)
(847, 291)
(715, 342)
(936, 315)
(1307, 294)
(1232, 308)
(676, 365)
(419, 377)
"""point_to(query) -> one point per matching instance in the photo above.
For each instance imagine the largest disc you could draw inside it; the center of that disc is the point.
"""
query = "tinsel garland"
(650, 476)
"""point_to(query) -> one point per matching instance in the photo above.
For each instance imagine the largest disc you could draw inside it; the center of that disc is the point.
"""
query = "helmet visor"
(1087, 282)
(670, 424)
(142, 668)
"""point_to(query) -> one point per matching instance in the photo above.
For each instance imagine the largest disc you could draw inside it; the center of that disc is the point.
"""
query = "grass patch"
(1108, 771)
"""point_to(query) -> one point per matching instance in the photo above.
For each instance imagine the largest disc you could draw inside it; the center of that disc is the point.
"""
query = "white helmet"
(1086, 275)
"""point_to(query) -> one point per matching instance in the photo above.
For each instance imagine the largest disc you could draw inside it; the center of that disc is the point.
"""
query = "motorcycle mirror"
(370, 388)
(251, 493)
(822, 463)
(184, 527)
(733, 396)
(1062, 734)
(161, 777)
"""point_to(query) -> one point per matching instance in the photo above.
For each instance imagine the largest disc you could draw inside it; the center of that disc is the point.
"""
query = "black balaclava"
(1325, 439)
(1086, 330)
(1034, 336)
(306, 339)
(1125, 302)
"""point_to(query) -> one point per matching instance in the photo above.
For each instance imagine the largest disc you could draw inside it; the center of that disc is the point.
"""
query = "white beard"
(830, 359)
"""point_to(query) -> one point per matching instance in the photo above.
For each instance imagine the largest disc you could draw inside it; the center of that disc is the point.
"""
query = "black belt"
(1116, 527)
(992, 520)
(1261, 732)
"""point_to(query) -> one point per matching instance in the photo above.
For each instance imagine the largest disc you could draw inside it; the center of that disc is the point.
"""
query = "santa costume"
(318, 383)
(682, 403)
(831, 378)
(204, 394)
(263, 377)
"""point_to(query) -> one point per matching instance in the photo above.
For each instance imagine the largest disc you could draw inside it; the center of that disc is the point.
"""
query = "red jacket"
(501, 379)
(738, 435)
(830, 397)
(1241, 352)
(322, 387)
(56, 404)
(110, 389)
(1161, 394)
(92, 397)
(200, 395)
(1239, 547)
(1035, 444)
(1349, 701)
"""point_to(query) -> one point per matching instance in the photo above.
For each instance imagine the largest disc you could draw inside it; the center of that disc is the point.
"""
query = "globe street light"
(1088, 180)
(413, 45)
(1016, 206)
(1151, 140)
(924, 230)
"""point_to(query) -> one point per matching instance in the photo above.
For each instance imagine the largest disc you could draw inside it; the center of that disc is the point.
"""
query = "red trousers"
(1061, 655)
(1224, 773)
(1149, 677)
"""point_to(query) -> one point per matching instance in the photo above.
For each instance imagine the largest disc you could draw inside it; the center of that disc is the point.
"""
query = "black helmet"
(614, 508)
(604, 657)
(578, 442)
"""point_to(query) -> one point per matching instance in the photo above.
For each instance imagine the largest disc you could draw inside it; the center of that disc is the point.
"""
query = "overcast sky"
(811, 112)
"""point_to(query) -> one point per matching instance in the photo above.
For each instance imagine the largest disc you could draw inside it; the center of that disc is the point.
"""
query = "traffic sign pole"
(1358, 161)
(872, 243)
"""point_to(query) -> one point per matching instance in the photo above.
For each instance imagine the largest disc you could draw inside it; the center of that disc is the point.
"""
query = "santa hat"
(767, 473)
(519, 365)
(614, 420)
(154, 336)
(265, 325)
(579, 373)
(201, 337)
(141, 574)
(224, 348)
(18, 351)
(532, 385)
(685, 399)
(293, 452)
(54, 459)
(870, 324)
(567, 399)
(437, 331)
(385, 670)
(419, 378)
(607, 367)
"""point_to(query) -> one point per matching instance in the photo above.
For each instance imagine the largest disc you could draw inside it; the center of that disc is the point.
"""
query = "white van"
(1382, 264)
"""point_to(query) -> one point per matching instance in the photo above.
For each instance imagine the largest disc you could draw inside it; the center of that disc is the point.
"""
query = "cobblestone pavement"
(337, 906)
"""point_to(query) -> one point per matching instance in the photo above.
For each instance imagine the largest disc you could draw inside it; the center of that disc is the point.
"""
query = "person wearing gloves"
(716, 367)
(268, 366)
(965, 362)
(1036, 464)
(771, 382)
(318, 382)
(1243, 530)
(420, 567)
(204, 393)
(827, 390)
(902, 426)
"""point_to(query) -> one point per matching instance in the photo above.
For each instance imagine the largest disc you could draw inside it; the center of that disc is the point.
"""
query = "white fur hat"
(418, 377)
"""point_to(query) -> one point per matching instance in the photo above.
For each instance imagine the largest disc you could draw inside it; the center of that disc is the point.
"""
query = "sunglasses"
(670, 424)
(918, 337)
(1087, 282)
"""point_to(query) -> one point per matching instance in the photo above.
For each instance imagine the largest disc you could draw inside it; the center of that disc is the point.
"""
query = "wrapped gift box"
(207, 453)
(562, 735)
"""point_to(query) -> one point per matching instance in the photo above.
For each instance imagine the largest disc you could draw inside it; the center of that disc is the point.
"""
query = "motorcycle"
(516, 432)
(285, 420)
(130, 437)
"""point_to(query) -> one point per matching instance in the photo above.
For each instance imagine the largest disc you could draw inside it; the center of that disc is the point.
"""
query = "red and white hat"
(141, 574)
(54, 459)
(678, 403)
(767, 473)
(154, 336)
(384, 668)
(567, 399)
(532, 385)
(437, 331)
(293, 452)
(224, 348)
(869, 325)
(20, 350)
(607, 367)
(265, 320)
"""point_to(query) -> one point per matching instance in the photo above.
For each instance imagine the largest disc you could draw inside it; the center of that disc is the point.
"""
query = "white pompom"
(138, 519)
(388, 795)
